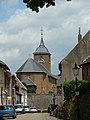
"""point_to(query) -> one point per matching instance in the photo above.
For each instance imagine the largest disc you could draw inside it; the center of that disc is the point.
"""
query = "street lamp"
(76, 73)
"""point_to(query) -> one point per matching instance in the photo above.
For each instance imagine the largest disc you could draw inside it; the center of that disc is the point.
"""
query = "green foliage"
(70, 88)
(31, 90)
(84, 87)
(35, 5)
(50, 92)
(68, 108)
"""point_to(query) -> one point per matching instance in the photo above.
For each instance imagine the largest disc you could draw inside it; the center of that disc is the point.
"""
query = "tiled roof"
(20, 84)
(33, 66)
(30, 66)
(28, 81)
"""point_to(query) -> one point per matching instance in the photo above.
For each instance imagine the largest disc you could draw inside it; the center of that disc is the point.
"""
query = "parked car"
(7, 110)
(33, 109)
(27, 108)
(19, 108)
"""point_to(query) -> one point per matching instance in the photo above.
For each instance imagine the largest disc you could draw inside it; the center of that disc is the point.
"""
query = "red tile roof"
(20, 84)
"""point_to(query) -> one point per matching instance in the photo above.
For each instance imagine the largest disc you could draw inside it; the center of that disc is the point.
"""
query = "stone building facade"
(77, 55)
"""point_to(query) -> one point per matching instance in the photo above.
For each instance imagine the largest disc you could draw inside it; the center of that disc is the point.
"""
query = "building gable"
(76, 55)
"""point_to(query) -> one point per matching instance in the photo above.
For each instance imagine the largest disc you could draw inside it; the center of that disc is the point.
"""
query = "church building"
(36, 71)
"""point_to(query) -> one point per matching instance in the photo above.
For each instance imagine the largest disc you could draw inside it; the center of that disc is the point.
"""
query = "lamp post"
(76, 73)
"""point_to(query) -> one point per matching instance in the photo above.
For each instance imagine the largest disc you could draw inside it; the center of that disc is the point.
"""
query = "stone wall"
(41, 101)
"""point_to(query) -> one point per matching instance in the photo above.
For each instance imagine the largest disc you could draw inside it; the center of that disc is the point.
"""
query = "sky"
(20, 30)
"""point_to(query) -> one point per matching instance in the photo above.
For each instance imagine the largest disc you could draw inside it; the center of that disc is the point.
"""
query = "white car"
(27, 108)
(19, 108)
(33, 109)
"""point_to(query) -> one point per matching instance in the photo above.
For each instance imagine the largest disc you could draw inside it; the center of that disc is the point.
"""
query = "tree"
(35, 5)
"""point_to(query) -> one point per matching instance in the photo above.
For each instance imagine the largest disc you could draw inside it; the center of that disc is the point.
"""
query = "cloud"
(9, 54)
(20, 32)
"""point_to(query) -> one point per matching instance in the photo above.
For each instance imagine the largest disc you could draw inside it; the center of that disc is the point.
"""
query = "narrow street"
(35, 116)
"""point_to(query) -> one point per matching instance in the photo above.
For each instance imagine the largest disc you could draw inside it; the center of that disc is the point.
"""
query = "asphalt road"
(34, 116)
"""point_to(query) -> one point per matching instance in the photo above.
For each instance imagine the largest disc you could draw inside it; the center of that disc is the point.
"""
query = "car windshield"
(8, 107)
(18, 106)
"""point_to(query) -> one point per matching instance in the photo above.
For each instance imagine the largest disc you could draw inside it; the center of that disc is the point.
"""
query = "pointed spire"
(79, 30)
(42, 48)
(41, 32)
(79, 35)
(42, 43)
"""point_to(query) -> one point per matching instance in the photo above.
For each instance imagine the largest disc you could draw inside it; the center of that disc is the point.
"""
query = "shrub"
(70, 88)
(31, 90)
(68, 107)
(84, 86)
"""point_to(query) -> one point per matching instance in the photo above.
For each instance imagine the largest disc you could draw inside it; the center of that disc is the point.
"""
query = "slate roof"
(41, 49)
(20, 84)
(28, 81)
(33, 66)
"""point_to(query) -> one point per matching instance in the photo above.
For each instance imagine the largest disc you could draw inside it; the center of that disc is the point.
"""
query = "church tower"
(42, 55)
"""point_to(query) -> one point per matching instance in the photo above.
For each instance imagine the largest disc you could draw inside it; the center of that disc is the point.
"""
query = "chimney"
(79, 35)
